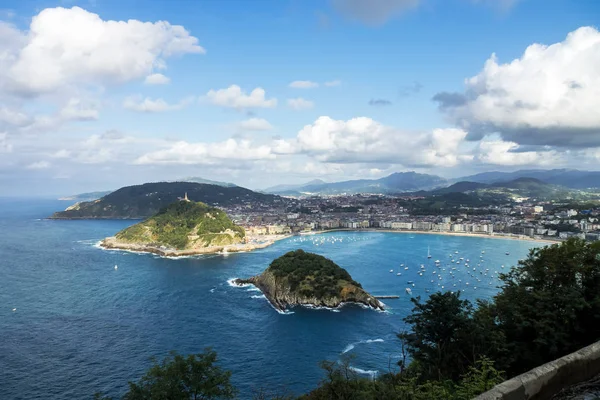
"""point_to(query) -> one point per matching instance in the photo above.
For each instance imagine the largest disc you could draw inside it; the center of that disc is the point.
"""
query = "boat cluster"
(452, 272)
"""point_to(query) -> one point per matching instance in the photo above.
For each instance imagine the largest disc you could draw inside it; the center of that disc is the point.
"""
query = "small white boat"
(391, 270)
(116, 267)
(399, 273)
(408, 290)
(405, 268)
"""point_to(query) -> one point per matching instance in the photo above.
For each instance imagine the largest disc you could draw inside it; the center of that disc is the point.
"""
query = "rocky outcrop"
(280, 294)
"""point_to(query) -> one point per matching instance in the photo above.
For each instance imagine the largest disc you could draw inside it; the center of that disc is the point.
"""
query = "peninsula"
(185, 228)
(307, 279)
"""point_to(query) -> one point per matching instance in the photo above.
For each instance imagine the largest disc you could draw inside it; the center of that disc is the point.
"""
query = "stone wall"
(543, 382)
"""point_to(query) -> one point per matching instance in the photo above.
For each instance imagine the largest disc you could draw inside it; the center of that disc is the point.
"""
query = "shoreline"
(112, 243)
(463, 234)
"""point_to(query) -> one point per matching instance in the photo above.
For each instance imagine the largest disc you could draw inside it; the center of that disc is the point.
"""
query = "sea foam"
(351, 346)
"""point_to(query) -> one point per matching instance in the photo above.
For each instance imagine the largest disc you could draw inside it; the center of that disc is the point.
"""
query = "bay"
(80, 326)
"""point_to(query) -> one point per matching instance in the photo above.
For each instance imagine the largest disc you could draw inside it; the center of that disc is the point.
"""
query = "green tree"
(550, 304)
(181, 378)
(445, 339)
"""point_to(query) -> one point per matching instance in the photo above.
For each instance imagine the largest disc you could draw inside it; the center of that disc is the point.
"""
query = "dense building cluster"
(522, 217)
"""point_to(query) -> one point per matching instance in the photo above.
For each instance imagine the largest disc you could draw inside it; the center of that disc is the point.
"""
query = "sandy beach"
(466, 234)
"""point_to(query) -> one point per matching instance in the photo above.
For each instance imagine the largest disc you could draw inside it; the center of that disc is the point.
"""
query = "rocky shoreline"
(112, 243)
(281, 297)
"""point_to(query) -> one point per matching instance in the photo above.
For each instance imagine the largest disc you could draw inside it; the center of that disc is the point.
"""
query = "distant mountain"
(570, 178)
(288, 188)
(142, 201)
(85, 196)
(96, 195)
(198, 179)
(461, 187)
(398, 182)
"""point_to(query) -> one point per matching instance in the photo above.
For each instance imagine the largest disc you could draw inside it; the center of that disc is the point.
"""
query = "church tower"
(185, 198)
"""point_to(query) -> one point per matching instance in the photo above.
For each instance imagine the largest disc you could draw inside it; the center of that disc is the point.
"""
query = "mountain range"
(403, 182)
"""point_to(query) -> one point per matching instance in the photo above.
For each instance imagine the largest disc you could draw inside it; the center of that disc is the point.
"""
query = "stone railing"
(543, 382)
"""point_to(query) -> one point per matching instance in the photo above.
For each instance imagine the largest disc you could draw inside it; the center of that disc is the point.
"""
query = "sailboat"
(428, 255)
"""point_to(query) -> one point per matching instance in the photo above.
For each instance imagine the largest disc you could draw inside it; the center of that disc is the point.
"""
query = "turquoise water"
(80, 326)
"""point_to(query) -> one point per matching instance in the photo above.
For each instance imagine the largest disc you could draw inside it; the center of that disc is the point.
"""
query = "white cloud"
(365, 140)
(255, 124)
(300, 104)
(333, 83)
(148, 105)
(157, 79)
(79, 110)
(499, 152)
(234, 97)
(5, 146)
(303, 84)
(73, 46)
(229, 151)
(549, 96)
(39, 165)
(374, 12)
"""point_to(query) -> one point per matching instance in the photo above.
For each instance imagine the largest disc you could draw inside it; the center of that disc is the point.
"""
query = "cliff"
(300, 278)
(181, 226)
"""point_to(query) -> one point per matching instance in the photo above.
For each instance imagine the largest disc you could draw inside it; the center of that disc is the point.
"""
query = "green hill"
(142, 201)
(301, 278)
(184, 225)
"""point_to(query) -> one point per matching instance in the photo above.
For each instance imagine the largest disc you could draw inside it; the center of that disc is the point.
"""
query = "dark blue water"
(80, 326)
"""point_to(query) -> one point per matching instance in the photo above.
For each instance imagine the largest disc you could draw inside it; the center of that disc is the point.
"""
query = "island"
(186, 228)
(307, 279)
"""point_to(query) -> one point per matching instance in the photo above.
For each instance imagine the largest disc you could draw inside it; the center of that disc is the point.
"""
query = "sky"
(99, 94)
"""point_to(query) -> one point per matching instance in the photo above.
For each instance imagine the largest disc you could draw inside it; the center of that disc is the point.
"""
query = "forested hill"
(142, 201)
(183, 225)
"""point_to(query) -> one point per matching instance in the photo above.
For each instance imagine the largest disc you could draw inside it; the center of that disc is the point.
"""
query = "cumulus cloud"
(38, 165)
(73, 46)
(548, 96)
(300, 104)
(231, 150)
(148, 105)
(79, 110)
(499, 152)
(157, 79)
(365, 140)
(379, 102)
(255, 124)
(303, 84)
(234, 97)
(374, 12)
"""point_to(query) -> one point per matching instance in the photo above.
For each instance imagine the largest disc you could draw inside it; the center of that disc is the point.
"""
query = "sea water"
(80, 326)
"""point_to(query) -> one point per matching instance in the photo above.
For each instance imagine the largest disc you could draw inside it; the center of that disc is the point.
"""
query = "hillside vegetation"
(184, 225)
(311, 274)
(142, 201)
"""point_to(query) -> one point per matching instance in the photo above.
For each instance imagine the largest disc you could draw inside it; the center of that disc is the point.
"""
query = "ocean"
(71, 325)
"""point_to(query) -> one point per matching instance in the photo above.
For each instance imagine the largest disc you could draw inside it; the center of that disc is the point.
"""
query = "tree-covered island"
(301, 278)
(183, 228)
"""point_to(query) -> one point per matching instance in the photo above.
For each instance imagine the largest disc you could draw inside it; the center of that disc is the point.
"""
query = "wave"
(352, 345)
(253, 289)
(371, 373)
(258, 296)
(232, 283)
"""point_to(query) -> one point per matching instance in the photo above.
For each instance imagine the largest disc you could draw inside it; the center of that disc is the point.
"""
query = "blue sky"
(79, 112)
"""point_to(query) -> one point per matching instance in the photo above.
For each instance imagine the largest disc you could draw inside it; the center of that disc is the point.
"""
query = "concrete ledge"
(543, 382)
